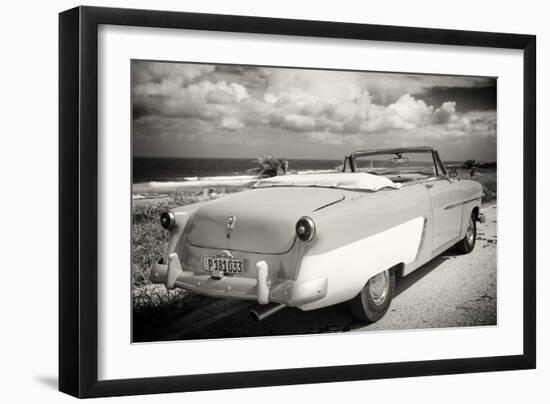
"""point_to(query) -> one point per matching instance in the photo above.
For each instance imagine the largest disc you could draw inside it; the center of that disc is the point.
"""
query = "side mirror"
(453, 173)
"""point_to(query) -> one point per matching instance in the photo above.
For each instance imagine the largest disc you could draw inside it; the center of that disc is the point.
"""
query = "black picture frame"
(78, 200)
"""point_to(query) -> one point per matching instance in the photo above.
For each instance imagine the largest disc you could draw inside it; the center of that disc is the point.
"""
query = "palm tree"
(269, 166)
(471, 165)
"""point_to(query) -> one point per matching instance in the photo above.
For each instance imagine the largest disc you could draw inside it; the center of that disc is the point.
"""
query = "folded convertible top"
(363, 181)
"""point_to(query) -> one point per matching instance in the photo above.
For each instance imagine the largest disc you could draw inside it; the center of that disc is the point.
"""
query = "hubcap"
(378, 287)
(470, 234)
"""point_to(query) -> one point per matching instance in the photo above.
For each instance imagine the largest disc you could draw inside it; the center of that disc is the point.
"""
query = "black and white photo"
(287, 201)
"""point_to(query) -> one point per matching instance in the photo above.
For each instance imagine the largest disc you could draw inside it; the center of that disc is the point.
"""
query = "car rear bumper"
(261, 289)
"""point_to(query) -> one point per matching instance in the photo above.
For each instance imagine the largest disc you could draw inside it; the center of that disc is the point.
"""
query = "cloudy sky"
(198, 110)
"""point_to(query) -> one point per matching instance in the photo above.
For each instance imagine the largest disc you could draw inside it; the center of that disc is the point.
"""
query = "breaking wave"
(141, 190)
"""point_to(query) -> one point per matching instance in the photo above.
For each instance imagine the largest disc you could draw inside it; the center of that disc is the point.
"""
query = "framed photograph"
(251, 201)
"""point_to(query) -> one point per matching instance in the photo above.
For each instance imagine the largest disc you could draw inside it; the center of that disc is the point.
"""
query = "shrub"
(269, 166)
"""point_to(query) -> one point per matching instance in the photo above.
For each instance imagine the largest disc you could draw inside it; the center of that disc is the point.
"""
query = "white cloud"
(270, 98)
(303, 113)
(445, 113)
(204, 100)
(221, 92)
(323, 107)
(408, 113)
(295, 122)
(231, 123)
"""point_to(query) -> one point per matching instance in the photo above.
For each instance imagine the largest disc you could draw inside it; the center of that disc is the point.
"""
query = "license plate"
(228, 265)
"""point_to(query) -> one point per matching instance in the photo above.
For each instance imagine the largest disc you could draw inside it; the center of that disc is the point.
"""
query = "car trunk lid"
(262, 220)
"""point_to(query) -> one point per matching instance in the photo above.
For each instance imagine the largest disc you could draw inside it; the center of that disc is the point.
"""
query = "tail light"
(305, 229)
(167, 220)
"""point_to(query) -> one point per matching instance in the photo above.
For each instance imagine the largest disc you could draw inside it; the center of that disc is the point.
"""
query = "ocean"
(154, 176)
(162, 175)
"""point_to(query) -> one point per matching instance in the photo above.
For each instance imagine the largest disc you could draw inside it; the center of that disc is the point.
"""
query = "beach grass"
(487, 177)
(153, 304)
(149, 238)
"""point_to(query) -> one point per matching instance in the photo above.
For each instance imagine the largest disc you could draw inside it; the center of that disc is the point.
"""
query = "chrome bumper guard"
(261, 289)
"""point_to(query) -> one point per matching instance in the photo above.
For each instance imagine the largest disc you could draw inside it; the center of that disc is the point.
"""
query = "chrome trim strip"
(472, 199)
(453, 205)
(330, 203)
(422, 238)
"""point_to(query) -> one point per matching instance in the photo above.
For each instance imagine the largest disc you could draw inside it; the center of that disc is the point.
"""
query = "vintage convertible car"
(315, 240)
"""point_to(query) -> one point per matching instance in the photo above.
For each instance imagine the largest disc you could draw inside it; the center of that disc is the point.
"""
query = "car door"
(445, 196)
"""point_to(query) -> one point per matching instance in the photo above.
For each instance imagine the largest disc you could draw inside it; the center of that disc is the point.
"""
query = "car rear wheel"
(468, 243)
(375, 298)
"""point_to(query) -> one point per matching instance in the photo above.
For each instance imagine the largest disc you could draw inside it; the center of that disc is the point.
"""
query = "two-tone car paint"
(359, 234)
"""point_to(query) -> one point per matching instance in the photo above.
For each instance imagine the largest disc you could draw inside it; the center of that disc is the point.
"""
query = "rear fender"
(363, 237)
(348, 268)
(175, 238)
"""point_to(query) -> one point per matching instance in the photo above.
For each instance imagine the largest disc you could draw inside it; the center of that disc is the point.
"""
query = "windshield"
(398, 167)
